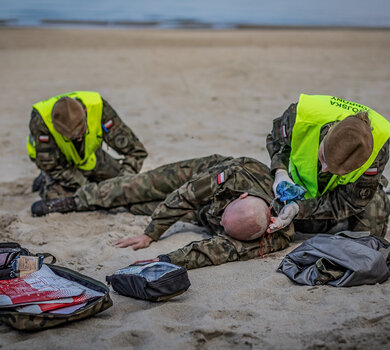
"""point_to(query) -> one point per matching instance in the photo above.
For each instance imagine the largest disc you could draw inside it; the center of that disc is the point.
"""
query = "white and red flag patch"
(221, 178)
(44, 138)
(371, 171)
(284, 133)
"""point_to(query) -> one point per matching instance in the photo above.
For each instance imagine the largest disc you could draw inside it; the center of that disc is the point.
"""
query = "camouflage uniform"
(197, 191)
(62, 178)
(360, 206)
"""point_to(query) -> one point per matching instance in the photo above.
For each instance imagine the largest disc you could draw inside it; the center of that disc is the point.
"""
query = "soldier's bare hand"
(138, 242)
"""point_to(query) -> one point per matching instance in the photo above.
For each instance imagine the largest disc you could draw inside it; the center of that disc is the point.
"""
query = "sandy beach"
(187, 94)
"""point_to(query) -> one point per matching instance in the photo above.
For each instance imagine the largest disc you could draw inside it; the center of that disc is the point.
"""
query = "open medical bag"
(33, 321)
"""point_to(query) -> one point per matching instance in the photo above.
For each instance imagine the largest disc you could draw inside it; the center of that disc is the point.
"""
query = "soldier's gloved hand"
(286, 215)
(280, 175)
(139, 242)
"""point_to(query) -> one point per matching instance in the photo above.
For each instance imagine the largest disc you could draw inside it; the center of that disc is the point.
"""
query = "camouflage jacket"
(119, 137)
(344, 201)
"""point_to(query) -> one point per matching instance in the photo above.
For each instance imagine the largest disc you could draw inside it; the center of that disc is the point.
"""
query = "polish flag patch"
(44, 138)
(221, 178)
(284, 133)
(371, 171)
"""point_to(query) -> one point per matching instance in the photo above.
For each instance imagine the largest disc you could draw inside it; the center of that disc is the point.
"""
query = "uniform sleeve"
(49, 157)
(346, 200)
(181, 205)
(122, 139)
(279, 140)
(222, 249)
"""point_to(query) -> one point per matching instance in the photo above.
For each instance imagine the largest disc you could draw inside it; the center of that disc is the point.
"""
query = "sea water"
(196, 13)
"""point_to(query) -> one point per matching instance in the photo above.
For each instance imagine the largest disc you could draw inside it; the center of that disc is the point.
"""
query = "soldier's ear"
(244, 195)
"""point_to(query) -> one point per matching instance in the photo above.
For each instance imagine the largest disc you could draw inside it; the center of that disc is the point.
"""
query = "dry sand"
(187, 94)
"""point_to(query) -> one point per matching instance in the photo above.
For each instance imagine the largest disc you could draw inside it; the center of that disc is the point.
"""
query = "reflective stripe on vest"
(313, 112)
(93, 138)
(30, 145)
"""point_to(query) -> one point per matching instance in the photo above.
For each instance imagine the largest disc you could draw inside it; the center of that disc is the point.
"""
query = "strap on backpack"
(48, 255)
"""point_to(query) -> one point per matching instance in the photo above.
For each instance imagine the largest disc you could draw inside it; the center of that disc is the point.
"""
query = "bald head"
(246, 218)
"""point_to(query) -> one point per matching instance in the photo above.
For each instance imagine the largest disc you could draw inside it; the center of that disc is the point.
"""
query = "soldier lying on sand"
(229, 197)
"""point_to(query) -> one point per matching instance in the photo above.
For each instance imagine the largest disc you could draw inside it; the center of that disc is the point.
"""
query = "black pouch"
(156, 281)
(35, 322)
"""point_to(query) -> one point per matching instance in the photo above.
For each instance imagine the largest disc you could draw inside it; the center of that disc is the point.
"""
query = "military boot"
(59, 205)
(38, 183)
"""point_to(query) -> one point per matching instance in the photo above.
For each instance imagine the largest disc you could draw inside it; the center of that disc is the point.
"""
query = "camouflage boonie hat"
(68, 117)
(348, 145)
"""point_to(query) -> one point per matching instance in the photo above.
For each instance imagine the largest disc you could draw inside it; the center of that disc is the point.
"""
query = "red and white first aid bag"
(51, 296)
(39, 287)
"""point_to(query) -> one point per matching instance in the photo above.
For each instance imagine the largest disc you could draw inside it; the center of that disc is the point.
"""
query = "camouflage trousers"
(143, 192)
(106, 167)
(373, 218)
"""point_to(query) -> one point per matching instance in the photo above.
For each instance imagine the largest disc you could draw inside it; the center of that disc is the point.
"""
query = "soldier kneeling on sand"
(66, 138)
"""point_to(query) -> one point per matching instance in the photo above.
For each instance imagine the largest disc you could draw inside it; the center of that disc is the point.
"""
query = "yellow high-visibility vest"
(93, 138)
(313, 112)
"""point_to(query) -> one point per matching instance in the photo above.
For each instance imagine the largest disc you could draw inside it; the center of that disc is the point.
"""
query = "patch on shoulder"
(221, 178)
(44, 138)
(365, 193)
(284, 132)
(371, 171)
